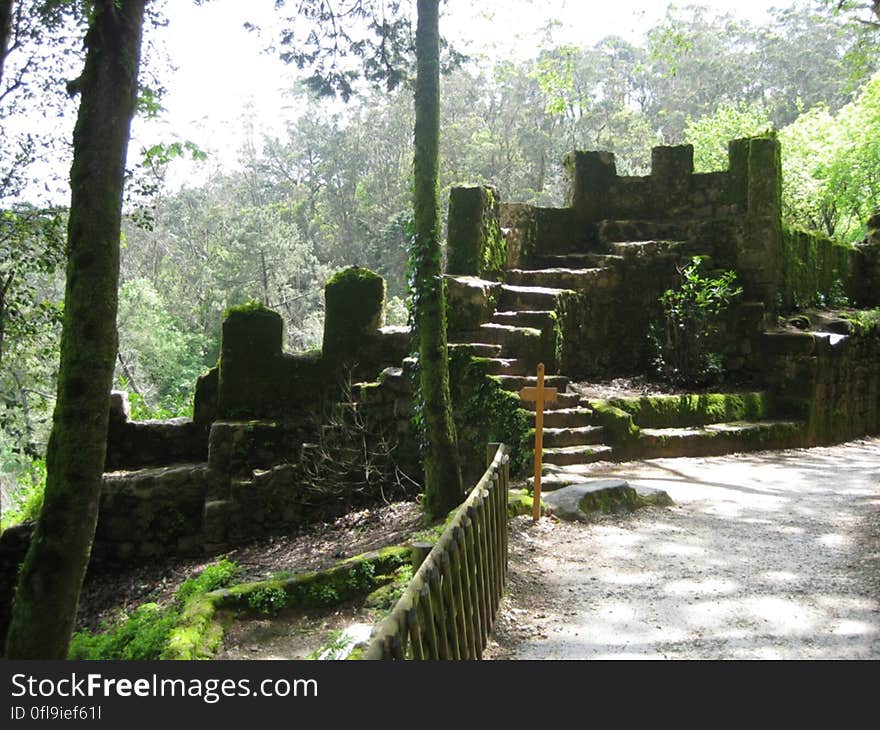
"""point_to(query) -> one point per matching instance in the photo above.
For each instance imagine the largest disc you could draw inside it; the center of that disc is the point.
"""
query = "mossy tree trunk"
(5, 31)
(443, 484)
(49, 585)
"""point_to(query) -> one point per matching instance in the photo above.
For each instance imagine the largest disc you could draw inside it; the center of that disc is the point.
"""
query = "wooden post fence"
(449, 607)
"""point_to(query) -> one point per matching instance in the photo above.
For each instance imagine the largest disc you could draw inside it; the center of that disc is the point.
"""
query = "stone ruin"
(575, 287)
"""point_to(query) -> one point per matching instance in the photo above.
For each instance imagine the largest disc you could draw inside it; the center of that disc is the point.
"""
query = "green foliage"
(336, 642)
(214, 576)
(693, 317)
(158, 358)
(396, 313)
(830, 162)
(837, 296)
(147, 631)
(31, 290)
(710, 134)
(867, 321)
(180, 406)
(269, 600)
(143, 635)
(27, 499)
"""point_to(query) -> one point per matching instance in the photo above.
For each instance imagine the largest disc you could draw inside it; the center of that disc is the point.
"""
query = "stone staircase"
(514, 338)
(523, 319)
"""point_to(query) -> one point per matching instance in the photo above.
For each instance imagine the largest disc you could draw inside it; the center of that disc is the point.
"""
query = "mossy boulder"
(582, 502)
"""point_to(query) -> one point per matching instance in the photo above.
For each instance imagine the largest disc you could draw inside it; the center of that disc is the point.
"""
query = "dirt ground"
(768, 555)
(773, 555)
(109, 593)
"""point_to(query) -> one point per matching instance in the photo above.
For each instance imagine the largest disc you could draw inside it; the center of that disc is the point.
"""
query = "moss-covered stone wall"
(486, 413)
(733, 215)
(677, 411)
(817, 270)
(596, 192)
(607, 330)
(834, 385)
(138, 444)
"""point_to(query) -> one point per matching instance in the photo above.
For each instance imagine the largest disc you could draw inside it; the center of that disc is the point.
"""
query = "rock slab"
(582, 502)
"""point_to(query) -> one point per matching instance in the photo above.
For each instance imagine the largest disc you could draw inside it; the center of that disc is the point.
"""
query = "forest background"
(329, 185)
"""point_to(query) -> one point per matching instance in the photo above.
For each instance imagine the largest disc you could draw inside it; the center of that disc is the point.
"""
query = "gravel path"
(773, 555)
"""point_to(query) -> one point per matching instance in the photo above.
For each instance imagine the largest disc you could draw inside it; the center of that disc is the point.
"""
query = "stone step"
(720, 438)
(505, 366)
(788, 343)
(481, 349)
(566, 455)
(580, 436)
(528, 297)
(566, 418)
(626, 249)
(515, 340)
(561, 278)
(589, 260)
(516, 382)
(540, 319)
(564, 401)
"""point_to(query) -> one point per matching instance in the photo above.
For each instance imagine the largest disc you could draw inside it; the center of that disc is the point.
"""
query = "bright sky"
(222, 71)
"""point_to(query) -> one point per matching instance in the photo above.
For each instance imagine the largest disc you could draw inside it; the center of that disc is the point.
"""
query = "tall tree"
(443, 483)
(5, 31)
(49, 585)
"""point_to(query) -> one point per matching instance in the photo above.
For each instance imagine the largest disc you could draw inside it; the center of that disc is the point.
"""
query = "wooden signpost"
(540, 395)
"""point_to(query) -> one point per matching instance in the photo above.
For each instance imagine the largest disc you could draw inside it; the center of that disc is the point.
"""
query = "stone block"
(470, 301)
(476, 245)
(249, 362)
(239, 447)
(354, 305)
(589, 176)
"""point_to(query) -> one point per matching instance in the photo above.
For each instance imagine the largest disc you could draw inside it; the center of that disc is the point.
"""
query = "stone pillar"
(250, 362)
(765, 178)
(589, 179)
(475, 244)
(738, 164)
(759, 254)
(354, 310)
(671, 171)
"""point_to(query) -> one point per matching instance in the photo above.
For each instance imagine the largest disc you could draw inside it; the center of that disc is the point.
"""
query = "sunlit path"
(771, 555)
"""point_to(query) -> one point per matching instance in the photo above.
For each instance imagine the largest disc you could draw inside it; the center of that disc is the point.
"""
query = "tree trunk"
(49, 586)
(443, 485)
(5, 286)
(5, 32)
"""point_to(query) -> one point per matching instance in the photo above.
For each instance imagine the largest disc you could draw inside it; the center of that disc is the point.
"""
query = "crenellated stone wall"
(732, 215)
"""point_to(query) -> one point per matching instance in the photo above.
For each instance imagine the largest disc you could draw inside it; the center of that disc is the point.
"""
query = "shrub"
(141, 635)
(144, 634)
(693, 315)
